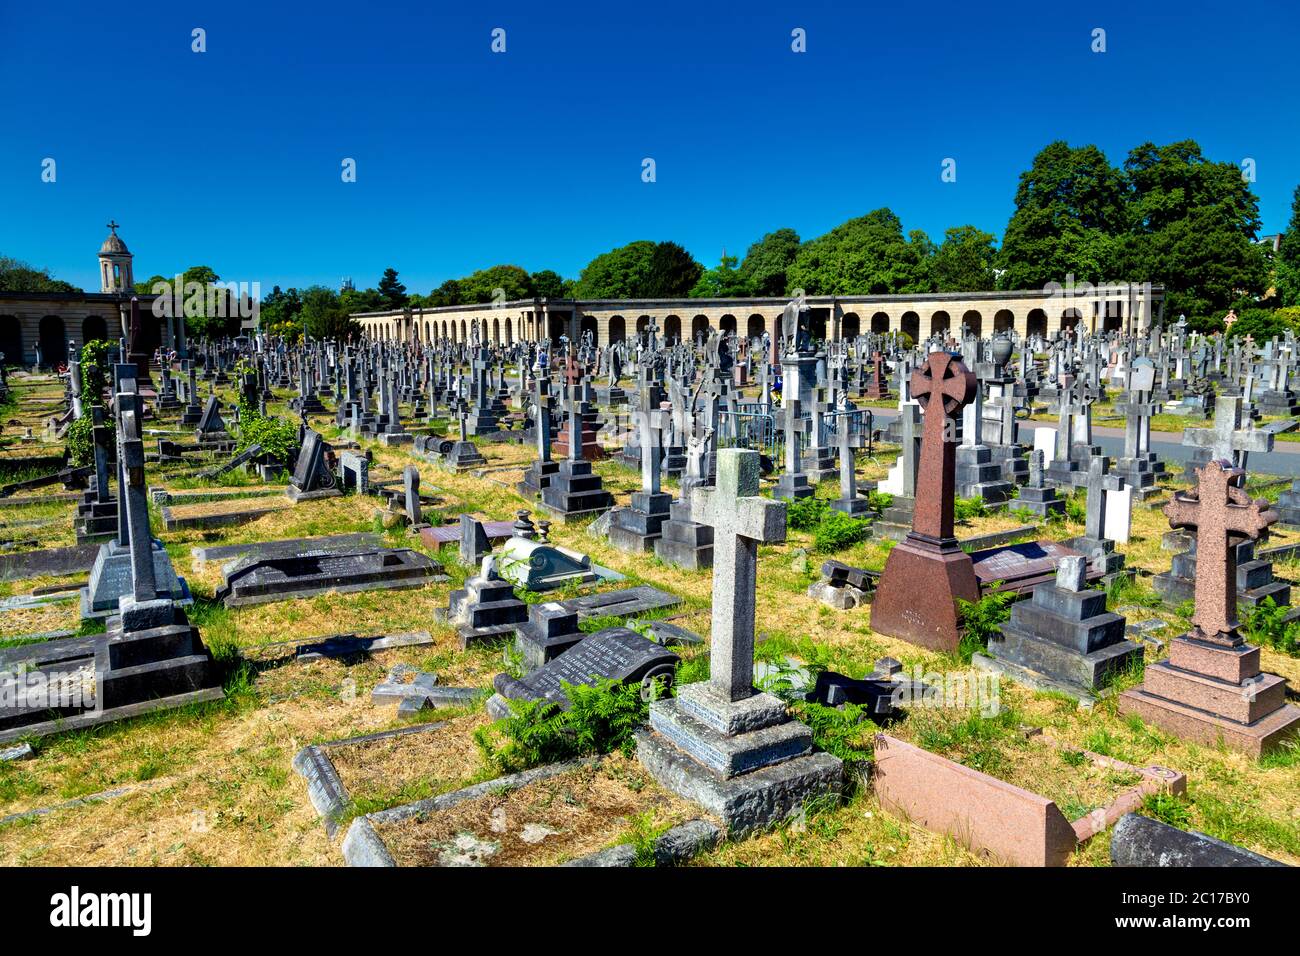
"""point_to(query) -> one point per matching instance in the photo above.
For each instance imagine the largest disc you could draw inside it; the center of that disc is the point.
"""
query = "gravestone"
(354, 472)
(486, 609)
(1099, 549)
(929, 561)
(1037, 496)
(615, 653)
(1063, 639)
(721, 743)
(311, 476)
(261, 580)
(551, 629)
(538, 565)
(474, 543)
(1211, 688)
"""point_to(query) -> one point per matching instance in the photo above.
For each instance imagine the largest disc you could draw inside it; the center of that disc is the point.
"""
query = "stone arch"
(755, 327)
(672, 329)
(11, 339)
(911, 325)
(510, 332)
(727, 323)
(559, 326)
(973, 321)
(464, 331)
(1036, 322)
(1004, 320)
(496, 331)
(642, 323)
(587, 324)
(700, 325)
(1070, 318)
(850, 326)
(93, 327)
(941, 321)
(880, 323)
(617, 329)
(54, 340)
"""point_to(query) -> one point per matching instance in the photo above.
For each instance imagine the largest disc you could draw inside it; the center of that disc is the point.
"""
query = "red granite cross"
(1218, 509)
(943, 376)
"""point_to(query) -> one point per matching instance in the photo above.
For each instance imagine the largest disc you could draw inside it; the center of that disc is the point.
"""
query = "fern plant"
(981, 619)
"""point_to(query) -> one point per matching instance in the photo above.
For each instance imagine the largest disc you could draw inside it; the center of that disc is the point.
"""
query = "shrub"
(277, 436)
(94, 369)
(879, 500)
(79, 442)
(981, 619)
(806, 513)
(600, 719)
(838, 531)
(964, 509)
(1266, 623)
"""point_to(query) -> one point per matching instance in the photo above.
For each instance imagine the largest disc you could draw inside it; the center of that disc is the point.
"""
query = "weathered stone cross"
(1098, 482)
(1228, 439)
(1217, 509)
(942, 386)
(741, 520)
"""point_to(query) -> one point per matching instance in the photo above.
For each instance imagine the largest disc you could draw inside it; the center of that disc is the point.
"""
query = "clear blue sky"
(466, 158)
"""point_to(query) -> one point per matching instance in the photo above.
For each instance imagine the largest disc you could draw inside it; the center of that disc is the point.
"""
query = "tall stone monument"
(929, 561)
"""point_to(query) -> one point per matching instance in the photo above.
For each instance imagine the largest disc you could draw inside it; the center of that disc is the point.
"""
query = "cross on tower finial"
(112, 224)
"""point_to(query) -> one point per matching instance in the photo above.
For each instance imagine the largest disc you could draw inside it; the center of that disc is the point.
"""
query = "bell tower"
(115, 264)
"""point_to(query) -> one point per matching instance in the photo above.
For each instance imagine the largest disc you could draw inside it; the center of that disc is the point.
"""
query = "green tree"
(1288, 257)
(864, 256)
(18, 276)
(446, 294)
(1069, 208)
(673, 272)
(722, 281)
(324, 317)
(514, 282)
(549, 284)
(391, 290)
(767, 261)
(1192, 225)
(621, 273)
(964, 261)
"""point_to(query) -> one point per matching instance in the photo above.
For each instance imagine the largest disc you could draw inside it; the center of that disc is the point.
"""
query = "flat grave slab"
(622, 603)
(617, 653)
(285, 547)
(221, 514)
(1023, 566)
(440, 535)
(264, 580)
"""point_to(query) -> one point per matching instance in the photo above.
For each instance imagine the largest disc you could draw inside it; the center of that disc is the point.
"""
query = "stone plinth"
(683, 542)
(939, 570)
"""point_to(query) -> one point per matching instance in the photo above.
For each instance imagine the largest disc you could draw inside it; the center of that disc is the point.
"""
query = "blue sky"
(466, 158)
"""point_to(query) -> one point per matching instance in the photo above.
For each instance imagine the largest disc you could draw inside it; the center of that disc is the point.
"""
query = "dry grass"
(546, 822)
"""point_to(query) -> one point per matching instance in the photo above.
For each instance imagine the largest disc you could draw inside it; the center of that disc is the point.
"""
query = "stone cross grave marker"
(1218, 508)
(741, 520)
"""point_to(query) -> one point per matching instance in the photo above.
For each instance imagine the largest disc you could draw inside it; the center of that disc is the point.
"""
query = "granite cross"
(741, 520)
(135, 517)
(941, 386)
(1218, 508)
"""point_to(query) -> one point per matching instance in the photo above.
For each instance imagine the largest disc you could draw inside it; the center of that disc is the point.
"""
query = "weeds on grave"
(878, 501)
(1266, 624)
(1076, 509)
(966, 509)
(845, 732)
(837, 531)
(643, 836)
(1168, 808)
(1123, 589)
(601, 718)
(806, 514)
(981, 619)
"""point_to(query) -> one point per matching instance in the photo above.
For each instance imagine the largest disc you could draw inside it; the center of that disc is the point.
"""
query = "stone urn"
(1002, 349)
